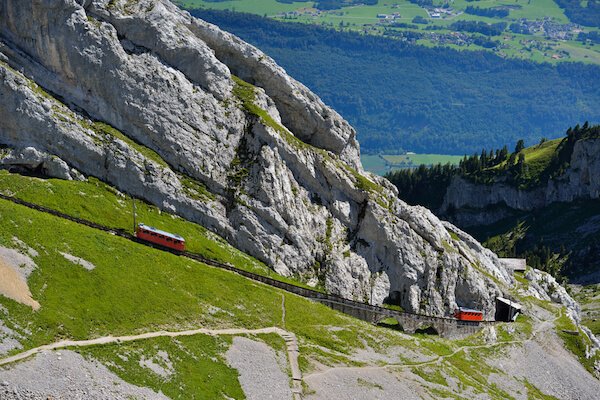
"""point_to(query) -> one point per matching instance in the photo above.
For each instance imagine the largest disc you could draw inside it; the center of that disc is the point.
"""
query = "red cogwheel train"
(161, 238)
(176, 242)
(468, 314)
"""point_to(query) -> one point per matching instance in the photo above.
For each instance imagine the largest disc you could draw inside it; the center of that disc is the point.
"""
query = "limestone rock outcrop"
(481, 204)
(190, 118)
(544, 286)
(31, 160)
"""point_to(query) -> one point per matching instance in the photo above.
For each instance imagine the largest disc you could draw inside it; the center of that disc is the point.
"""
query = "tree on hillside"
(521, 165)
(505, 245)
(520, 146)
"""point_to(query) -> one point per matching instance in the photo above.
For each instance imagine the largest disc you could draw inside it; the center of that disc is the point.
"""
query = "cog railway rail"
(410, 322)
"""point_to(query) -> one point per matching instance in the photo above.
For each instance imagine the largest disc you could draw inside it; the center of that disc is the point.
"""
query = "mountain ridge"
(294, 197)
(542, 198)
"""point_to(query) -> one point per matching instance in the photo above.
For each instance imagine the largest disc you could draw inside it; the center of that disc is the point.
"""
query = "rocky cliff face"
(481, 204)
(190, 118)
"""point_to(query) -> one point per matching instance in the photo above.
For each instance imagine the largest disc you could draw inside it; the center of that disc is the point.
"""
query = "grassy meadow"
(98, 202)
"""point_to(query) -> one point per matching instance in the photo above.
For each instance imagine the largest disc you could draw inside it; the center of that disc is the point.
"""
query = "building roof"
(164, 233)
(511, 303)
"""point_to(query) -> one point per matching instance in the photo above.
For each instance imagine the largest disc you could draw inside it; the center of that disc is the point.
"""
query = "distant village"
(545, 27)
(549, 28)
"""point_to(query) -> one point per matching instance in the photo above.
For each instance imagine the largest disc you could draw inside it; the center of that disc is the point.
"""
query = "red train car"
(159, 237)
(467, 314)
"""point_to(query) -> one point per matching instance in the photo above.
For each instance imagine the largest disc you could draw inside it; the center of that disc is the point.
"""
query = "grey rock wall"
(286, 182)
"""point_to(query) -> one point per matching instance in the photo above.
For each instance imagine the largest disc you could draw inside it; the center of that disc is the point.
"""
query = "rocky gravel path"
(542, 327)
(67, 375)
(289, 337)
(261, 375)
(361, 385)
(540, 359)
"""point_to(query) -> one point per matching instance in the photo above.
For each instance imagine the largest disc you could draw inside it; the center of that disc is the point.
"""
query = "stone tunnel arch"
(389, 322)
(428, 329)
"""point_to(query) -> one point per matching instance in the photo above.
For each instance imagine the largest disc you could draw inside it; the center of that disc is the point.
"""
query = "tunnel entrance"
(428, 330)
(393, 301)
(507, 310)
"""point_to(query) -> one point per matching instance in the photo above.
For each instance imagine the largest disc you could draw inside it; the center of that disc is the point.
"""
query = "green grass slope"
(98, 202)
(537, 162)
(135, 288)
(197, 366)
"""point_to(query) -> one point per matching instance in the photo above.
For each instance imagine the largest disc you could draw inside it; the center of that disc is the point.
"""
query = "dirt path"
(289, 337)
(293, 352)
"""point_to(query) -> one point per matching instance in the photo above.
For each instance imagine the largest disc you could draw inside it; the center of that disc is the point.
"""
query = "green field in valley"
(550, 35)
(381, 164)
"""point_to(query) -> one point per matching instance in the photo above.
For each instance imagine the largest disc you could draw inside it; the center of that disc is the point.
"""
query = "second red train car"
(468, 314)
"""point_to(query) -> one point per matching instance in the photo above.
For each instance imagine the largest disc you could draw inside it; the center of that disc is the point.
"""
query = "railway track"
(357, 309)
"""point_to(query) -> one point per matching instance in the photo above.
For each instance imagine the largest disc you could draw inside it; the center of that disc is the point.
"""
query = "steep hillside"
(555, 198)
(172, 110)
(557, 171)
(93, 285)
(120, 99)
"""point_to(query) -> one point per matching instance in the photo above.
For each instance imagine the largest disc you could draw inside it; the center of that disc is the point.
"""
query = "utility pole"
(134, 222)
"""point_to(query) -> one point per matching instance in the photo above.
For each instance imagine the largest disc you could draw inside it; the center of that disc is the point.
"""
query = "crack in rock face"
(175, 111)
